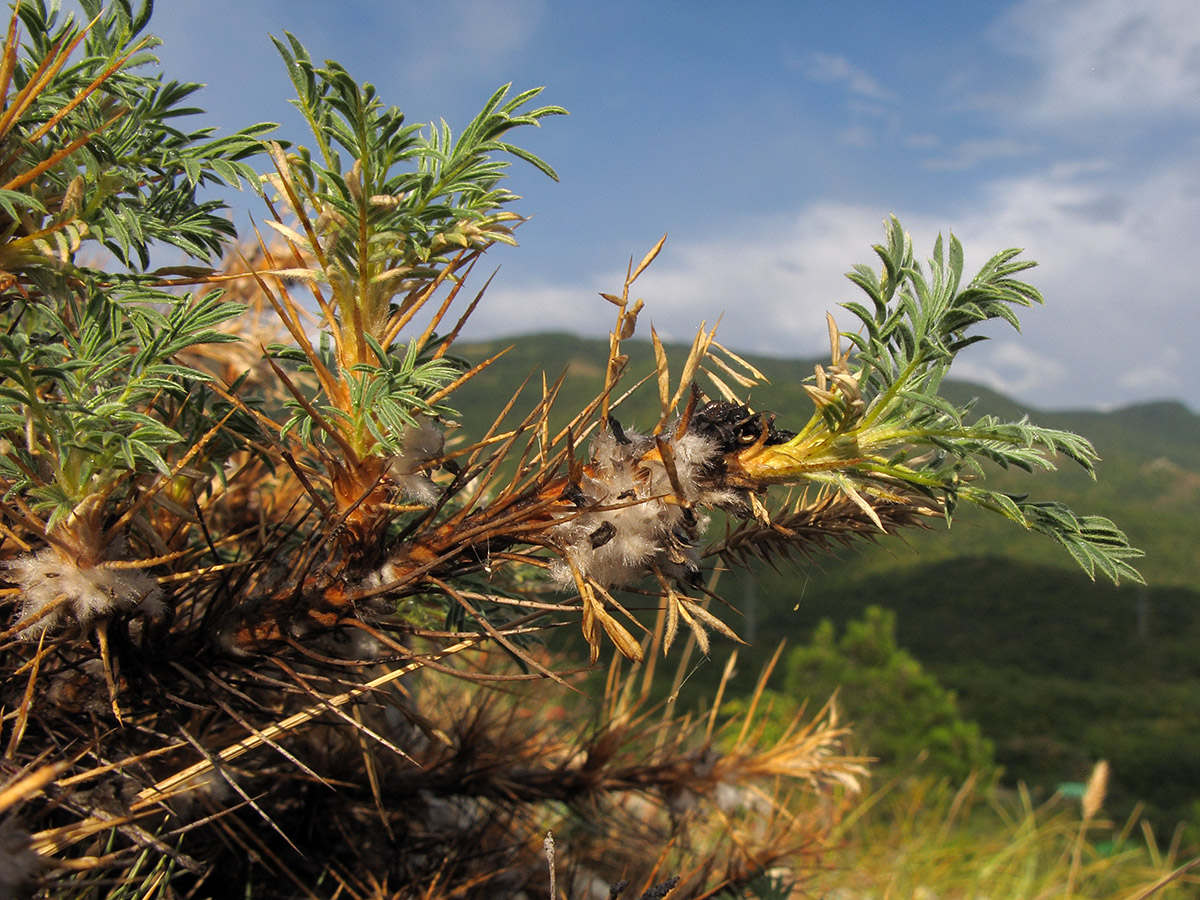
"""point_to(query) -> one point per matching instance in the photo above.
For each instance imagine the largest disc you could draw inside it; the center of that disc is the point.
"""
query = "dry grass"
(921, 838)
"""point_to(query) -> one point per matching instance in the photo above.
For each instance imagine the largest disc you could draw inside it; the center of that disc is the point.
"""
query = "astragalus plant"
(273, 628)
(101, 428)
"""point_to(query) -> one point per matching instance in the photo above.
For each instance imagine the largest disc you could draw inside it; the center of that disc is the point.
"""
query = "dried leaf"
(698, 632)
(709, 620)
(664, 373)
(849, 490)
(722, 388)
(625, 642)
(754, 373)
(596, 617)
(835, 339)
(289, 233)
(297, 274)
(672, 621)
(761, 513)
(743, 380)
(696, 356)
(629, 321)
(646, 260)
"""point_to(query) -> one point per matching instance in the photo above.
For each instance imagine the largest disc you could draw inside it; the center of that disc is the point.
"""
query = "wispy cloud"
(922, 141)
(826, 67)
(856, 136)
(970, 153)
(1108, 57)
(470, 37)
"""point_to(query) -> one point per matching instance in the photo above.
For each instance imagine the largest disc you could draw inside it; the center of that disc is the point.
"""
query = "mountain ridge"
(598, 348)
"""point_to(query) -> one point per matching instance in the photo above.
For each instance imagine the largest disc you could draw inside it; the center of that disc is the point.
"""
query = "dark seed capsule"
(575, 494)
(733, 425)
(617, 431)
(602, 535)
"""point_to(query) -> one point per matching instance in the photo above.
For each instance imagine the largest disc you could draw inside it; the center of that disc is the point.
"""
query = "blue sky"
(771, 139)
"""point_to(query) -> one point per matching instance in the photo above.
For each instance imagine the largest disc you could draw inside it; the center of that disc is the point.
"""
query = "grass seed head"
(1097, 787)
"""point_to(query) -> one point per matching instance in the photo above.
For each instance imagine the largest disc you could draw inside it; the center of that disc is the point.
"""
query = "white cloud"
(1010, 367)
(530, 309)
(1115, 268)
(770, 286)
(827, 67)
(970, 153)
(1108, 57)
(1161, 375)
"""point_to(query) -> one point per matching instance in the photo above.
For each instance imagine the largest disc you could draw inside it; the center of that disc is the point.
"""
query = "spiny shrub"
(272, 630)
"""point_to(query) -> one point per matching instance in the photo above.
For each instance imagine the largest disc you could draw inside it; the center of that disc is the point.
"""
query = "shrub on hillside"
(271, 630)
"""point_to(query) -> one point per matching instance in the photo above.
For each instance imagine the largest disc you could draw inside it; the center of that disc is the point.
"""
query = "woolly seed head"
(631, 517)
(421, 443)
(64, 591)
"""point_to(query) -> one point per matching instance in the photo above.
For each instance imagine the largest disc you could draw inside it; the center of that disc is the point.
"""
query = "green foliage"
(92, 393)
(901, 713)
(385, 213)
(96, 152)
(79, 401)
(416, 192)
(1058, 672)
(881, 426)
(385, 397)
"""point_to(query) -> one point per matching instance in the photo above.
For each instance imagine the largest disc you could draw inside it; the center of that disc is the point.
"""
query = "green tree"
(901, 714)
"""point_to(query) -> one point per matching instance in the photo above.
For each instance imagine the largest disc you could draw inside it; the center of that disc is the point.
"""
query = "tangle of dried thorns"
(321, 676)
(302, 688)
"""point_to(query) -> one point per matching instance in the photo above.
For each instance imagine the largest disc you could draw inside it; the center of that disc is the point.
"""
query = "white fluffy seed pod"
(421, 444)
(66, 592)
(631, 516)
